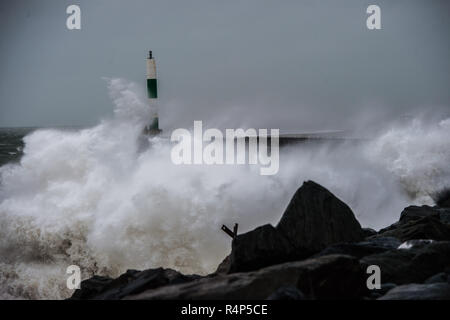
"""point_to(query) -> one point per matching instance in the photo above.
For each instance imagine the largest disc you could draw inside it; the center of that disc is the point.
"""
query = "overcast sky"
(295, 65)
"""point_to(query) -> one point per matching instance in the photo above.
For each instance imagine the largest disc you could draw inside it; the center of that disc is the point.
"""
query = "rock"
(131, 282)
(382, 242)
(373, 296)
(445, 203)
(313, 220)
(442, 198)
(415, 212)
(444, 215)
(223, 267)
(91, 287)
(433, 291)
(440, 277)
(413, 265)
(428, 227)
(352, 249)
(385, 287)
(368, 232)
(415, 244)
(364, 248)
(258, 248)
(287, 293)
(327, 277)
(342, 279)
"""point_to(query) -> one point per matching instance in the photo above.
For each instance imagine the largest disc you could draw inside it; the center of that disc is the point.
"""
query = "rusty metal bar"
(227, 230)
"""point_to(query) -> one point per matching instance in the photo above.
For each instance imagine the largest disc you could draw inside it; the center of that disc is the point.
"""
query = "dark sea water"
(11, 143)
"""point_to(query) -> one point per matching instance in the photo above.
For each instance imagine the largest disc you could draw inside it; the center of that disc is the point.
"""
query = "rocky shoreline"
(318, 250)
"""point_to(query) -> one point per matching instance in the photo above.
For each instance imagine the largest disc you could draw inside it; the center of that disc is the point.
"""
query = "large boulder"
(384, 288)
(287, 293)
(131, 282)
(442, 198)
(91, 287)
(223, 267)
(414, 265)
(328, 277)
(412, 213)
(313, 220)
(263, 246)
(342, 277)
(432, 291)
(440, 277)
(363, 248)
(413, 226)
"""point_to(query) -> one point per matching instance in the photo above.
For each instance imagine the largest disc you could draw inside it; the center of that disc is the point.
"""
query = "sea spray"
(97, 199)
(417, 154)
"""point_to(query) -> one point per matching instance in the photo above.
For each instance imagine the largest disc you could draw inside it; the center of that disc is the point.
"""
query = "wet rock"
(445, 203)
(328, 277)
(415, 212)
(433, 291)
(269, 262)
(413, 265)
(440, 277)
(91, 287)
(342, 278)
(364, 248)
(428, 227)
(368, 232)
(442, 198)
(352, 249)
(258, 248)
(415, 244)
(382, 242)
(287, 293)
(223, 267)
(313, 220)
(444, 215)
(131, 282)
(385, 287)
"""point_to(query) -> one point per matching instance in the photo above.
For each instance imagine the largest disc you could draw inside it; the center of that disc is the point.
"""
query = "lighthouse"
(152, 93)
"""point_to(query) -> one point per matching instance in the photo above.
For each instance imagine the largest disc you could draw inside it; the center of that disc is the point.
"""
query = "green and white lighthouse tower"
(152, 92)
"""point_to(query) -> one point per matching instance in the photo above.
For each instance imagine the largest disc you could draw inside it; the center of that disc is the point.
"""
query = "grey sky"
(294, 65)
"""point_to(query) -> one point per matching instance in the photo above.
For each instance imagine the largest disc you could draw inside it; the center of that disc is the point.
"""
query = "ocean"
(11, 143)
